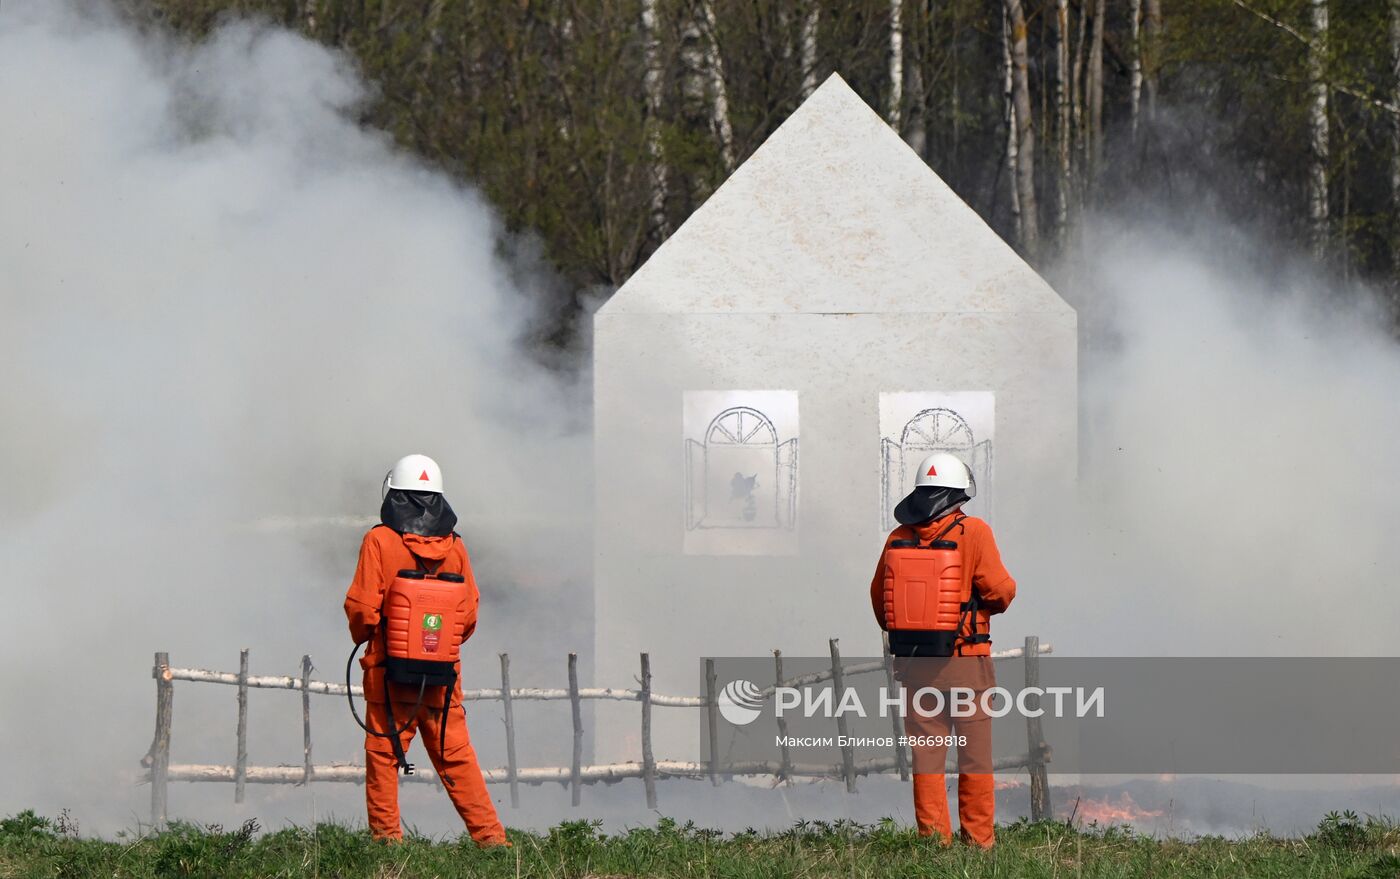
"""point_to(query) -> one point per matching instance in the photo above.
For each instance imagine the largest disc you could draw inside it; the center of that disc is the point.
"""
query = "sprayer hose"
(350, 697)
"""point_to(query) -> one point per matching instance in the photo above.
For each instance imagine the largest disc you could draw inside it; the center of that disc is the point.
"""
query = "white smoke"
(1238, 454)
(227, 309)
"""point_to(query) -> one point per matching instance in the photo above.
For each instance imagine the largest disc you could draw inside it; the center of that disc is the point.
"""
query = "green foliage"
(1347, 830)
(188, 850)
(545, 106)
(26, 824)
(1344, 845)
(1384, 867)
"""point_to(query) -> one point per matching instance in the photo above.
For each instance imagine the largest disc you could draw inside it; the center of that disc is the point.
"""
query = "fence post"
(712, 719)
(240, 769)
(512, 771)
(160, 744)
(838, 684)
(648, 759)
(900, 762)
(785, 768)
(575, 775)
(1035, 739)
(306, 770)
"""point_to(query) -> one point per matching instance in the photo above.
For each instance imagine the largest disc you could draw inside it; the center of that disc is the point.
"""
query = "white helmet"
(946, 470)
(414, 473)
(943, 483)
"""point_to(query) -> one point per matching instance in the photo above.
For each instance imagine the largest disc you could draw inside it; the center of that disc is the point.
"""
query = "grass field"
(1343, 845)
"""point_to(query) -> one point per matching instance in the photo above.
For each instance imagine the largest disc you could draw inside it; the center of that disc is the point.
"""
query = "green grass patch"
(1344, 845)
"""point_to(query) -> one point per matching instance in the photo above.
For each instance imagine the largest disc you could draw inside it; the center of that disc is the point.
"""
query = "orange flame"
(1104, 812)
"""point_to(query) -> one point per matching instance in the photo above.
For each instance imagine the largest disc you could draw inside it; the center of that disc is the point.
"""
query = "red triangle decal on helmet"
(932, 471)
(424, 477)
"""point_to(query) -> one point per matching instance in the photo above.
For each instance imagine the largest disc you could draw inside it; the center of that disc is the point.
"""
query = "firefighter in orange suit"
(416, 533)
(933, 511)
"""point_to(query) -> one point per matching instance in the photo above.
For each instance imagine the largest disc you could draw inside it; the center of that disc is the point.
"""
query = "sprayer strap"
(422, 564)
(399, 756)
(969, 611)
(958, 521)
(442, 724)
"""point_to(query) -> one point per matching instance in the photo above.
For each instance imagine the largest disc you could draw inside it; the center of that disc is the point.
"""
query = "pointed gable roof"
(834, 214)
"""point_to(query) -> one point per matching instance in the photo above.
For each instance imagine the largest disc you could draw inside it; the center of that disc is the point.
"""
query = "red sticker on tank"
(430, 642)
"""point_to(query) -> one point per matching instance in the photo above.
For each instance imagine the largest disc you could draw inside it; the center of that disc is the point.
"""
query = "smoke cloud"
(1237, 453)
(228, 308)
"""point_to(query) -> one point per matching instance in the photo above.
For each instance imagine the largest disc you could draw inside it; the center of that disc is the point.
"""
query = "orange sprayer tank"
(923, 597)
(424, 618)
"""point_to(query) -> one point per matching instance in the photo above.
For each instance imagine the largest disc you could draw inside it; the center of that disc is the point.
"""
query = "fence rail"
(604, 772)
(161, 771)
(488, 694)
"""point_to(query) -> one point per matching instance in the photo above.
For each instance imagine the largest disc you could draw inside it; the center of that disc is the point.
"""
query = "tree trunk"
(916, 121)
(1024, 130)
(896, 64)
(652, 82)
(1135, 64)
(1318, 125)
(1062, 113)
(809, 47)
(1094, 98)
(1395, 134)
(1076, 87)
(1152, 54)
(433, 25)
(1008, 89)
(956, 101)
(719, 92)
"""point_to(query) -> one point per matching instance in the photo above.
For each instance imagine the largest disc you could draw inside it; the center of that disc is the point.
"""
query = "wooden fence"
(161, 771)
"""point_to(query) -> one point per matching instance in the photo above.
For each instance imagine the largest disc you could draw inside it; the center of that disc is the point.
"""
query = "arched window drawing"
(742, 474)
(934, 429)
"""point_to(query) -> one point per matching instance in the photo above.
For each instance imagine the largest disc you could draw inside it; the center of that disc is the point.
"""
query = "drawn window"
(742, 474)
(935, 429)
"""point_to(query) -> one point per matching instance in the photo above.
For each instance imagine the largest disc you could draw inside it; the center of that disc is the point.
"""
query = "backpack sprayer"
(422, 625)
(923, 599)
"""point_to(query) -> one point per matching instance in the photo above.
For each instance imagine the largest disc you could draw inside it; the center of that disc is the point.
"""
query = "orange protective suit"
(970, 668)
(976, 800)
(383, 554)
(982, 570)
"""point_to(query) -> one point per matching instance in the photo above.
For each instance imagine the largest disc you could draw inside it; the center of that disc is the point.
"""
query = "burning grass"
(1343, 845)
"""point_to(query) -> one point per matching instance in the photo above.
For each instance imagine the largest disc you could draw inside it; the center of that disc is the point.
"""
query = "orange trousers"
(456, 765)
(976, 785)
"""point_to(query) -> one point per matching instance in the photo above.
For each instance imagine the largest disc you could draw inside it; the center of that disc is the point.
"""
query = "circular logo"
(740, 702)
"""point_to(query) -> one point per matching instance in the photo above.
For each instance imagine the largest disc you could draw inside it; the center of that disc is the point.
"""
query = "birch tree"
(1062, 113)
(1318, 127)
(431, 45)
(1152, 53)
(652, 83)
(1023, 128)
(1094, 85)
(1009, 114)
(808, 41)
(1076, 82)
(719, 93)
(1135, 65)
(1395, 132)
(896, 64)
(916, 98)
(308, 15)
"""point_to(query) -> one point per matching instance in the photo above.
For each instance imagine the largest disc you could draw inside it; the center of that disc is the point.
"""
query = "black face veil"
(928, 502)
(426, 513)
